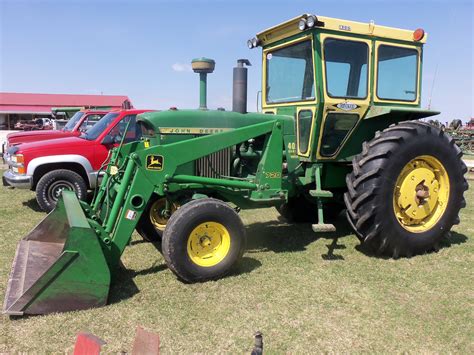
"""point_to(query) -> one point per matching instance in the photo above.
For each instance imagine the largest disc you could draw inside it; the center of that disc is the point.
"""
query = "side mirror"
(108, 140)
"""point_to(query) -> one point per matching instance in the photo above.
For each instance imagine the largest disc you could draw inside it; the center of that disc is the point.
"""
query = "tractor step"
(323, 228)
(320, 193)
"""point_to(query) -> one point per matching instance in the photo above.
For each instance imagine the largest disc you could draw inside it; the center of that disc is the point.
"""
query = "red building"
(20, 106)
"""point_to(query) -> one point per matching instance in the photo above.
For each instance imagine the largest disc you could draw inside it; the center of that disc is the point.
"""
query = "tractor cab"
(332, 74)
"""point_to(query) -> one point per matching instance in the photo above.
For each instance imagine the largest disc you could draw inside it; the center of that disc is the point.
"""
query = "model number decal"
(273, 175)
(291, 148)
(347, 106)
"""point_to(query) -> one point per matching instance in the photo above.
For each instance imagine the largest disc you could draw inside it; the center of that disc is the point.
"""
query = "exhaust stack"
(203, 66)
(239, 86)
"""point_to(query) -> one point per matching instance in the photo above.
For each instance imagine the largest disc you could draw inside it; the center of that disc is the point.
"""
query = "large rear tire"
(203, 240)
(406, 189)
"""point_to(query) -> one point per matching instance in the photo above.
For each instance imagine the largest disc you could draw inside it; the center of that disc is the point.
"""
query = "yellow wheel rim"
(208, 244)
(421, 194)
(157, 213)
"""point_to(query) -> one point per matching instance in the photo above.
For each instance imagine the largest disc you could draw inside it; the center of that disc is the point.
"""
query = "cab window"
(346, 68)
(95, 131)
(397, 73)
(73, 121)
(133, 132)
(336, 128)
(89, 122)
(290, 74)
(305, 117)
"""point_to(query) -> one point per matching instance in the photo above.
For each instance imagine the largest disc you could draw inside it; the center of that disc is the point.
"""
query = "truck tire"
(50, 186)
(406, 189)
(203, 240)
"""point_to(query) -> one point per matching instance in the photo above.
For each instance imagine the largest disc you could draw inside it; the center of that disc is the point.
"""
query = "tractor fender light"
(418, 34)
(302, 24)
(250, 44)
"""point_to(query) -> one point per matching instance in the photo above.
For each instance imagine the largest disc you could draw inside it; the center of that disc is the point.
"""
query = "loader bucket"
(59, 266)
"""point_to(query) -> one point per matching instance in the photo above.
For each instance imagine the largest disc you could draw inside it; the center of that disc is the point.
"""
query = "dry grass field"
(306, 293)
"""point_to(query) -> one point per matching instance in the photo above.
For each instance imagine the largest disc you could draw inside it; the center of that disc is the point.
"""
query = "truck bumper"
(15, 180)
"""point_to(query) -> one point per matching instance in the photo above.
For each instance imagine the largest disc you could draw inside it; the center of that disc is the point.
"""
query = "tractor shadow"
(32, 204)
(279, 236)
(123, 285)
(452, 239)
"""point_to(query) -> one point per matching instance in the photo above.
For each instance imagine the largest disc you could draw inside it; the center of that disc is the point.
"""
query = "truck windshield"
(73, 121)
(95, 131)
(290, 75)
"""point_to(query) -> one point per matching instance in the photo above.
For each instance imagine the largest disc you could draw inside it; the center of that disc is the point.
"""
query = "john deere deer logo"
(154, 162)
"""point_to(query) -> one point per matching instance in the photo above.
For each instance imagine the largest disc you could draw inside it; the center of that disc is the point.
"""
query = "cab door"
(346, 66)
(289, 88)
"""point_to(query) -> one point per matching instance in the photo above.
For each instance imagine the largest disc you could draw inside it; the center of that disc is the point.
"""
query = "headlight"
(253, 42)
(311, 21)
(18, 158)
(302, 24)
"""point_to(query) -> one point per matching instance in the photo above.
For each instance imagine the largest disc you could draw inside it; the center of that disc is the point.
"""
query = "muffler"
(59, 266)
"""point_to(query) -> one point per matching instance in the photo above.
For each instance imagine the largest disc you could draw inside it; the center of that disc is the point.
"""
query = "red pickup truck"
(71, 163)
(79, 123)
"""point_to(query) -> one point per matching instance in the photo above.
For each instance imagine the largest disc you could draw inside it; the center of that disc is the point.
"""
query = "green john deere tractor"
(338, 129)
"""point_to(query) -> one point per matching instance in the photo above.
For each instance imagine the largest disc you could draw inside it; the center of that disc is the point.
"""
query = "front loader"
(337, 132)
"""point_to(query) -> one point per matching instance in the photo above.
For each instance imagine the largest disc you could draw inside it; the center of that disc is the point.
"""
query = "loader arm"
(139, 181)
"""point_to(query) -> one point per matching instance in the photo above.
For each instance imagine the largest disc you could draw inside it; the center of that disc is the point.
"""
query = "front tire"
(51, 185)
(203, 240)
(406, 189)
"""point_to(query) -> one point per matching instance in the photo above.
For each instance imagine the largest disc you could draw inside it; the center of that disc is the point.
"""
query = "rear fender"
(377, 119)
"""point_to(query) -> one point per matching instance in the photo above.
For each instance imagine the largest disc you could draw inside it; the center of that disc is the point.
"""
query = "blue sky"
(143, 48)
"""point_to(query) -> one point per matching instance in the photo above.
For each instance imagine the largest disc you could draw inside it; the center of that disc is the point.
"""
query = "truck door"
(346, 68)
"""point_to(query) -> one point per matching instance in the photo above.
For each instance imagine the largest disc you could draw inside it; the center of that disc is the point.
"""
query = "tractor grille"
(215, 165)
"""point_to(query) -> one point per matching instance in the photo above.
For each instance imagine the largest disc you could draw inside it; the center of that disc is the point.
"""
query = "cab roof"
(290, 28)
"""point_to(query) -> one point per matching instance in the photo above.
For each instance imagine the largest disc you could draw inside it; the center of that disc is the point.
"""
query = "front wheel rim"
(57, 187)
(208, 244)
(421, 194)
